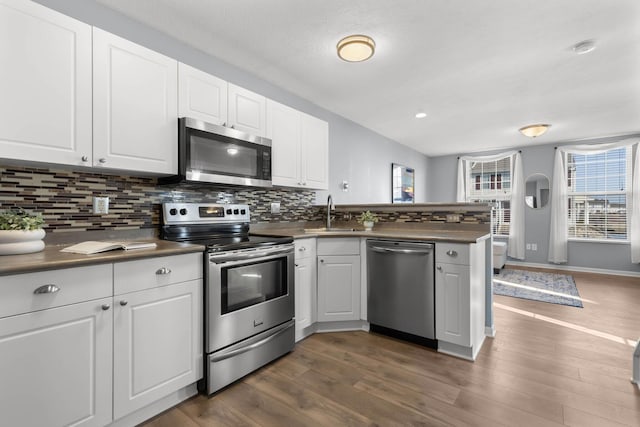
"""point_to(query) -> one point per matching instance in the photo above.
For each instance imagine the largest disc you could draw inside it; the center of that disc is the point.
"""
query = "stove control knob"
(243, 212)
(183, 211)
(173, 211)
(235, 211)
(229, 211)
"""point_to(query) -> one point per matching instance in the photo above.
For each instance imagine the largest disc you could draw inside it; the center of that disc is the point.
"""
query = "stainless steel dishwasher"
(400, 291)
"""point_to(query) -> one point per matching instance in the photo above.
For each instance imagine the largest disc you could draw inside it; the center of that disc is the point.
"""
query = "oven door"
(247, 293)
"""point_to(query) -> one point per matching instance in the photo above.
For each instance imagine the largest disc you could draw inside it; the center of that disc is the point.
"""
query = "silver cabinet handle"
(163, 270)
(439, 268)
(106, 307)
(85, 159)
(452, 253)
(47, 289)
(302, 249)
(124, 302)
(102, 160)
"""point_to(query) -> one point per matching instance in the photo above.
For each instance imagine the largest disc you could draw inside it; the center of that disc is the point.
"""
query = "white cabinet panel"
(157, 344)
(452, 304)
(135, 106)
(304, 293)
(201, 95)
(283, 128)
(247, 111)
(315, 152)
(338, 287)
(45, 85)
(56, 366)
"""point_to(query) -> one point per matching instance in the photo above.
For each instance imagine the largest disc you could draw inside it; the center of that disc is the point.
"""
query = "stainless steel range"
(249, 288)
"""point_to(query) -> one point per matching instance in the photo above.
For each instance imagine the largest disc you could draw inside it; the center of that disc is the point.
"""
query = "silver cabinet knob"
(85, 159)
(102, 160)
(439, 268)
(224, 124)
(163, 270)
(106, 307)
(321, 260)
(452, 253)
(124, 302)
(296, 265)
(233, 126)
(46, 289)
(302, 249)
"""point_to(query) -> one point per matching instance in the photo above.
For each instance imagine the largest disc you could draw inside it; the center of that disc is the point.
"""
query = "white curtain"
(516, 227)
(559, 229)
(634, 234)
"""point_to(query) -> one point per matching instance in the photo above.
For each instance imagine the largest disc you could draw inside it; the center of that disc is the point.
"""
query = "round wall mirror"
(537, 191)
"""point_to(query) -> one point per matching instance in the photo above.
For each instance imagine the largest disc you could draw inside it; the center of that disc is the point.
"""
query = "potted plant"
(20, 232)
(367, 219)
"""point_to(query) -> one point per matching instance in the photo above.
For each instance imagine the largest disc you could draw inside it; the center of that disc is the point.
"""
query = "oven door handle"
(279, 330)
(219, 259)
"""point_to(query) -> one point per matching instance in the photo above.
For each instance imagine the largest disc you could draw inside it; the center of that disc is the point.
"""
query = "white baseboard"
(490, 331)
(573, 268)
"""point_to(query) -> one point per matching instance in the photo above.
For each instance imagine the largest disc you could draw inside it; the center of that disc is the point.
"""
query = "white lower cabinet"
(156, 344)
(460, 298)
(305, 285)
(73, 354)
(338, 279)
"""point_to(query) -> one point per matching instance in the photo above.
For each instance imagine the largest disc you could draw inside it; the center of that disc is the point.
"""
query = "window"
(597, 187)
(491, 182)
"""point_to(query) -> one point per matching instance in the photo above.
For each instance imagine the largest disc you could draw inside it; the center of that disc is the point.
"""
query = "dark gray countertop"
(51, 258)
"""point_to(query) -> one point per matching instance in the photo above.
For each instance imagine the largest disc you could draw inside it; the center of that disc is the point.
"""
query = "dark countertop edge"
(52, 259)
(399, 234)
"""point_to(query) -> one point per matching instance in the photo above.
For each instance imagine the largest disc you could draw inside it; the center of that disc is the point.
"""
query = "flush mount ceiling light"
(232, 151)
(533, 131)
(421, 115)
(356, 48)
(583, 47)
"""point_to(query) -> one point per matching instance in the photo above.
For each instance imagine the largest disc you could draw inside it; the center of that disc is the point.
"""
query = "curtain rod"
(519, 151)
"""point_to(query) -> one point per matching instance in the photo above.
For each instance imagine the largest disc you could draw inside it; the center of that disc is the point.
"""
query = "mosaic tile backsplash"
(65, 198)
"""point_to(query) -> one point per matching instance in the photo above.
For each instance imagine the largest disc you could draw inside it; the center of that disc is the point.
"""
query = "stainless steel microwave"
(221, 155)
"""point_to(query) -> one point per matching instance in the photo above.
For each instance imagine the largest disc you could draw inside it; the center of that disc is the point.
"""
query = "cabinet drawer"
(73, 285)
(153, 272)
(305, 248)
(339, 246)
(452, 253)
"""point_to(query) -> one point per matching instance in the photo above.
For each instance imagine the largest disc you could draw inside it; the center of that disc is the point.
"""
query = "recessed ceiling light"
(584, 46)
(533, 131)
(356, 48)
(421, 115)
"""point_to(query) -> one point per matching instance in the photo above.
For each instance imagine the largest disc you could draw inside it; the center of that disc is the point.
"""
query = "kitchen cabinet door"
(453, 308)
(157, 340)
(45, 85)
(338, 287)
(201, 96)
(314, 152)
(56, 366)
(246, 111)
(135, 106)
(283, 128)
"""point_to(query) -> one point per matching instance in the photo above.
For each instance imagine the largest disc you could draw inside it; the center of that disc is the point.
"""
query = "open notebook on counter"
(91, 247)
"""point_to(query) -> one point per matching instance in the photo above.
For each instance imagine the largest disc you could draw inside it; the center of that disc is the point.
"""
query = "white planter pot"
(15, 242)
(368, 225)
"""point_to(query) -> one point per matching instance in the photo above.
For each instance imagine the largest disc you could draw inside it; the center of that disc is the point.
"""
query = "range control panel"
(203, 213)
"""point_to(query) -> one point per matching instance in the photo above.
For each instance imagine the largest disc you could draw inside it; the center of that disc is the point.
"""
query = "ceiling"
(479, 69)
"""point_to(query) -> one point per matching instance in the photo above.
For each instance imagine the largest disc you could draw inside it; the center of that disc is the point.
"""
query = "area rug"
(538, 286)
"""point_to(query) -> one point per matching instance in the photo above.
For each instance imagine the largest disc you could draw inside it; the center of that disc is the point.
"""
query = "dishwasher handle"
(427, 250)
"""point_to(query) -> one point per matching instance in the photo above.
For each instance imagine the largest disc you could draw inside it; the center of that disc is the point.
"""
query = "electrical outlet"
(453, 217)
(528, 246)
(534, 246)
(100, 205)
(275, 207)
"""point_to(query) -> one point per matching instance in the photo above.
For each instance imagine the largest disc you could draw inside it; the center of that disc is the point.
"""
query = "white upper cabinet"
(135, 106)
(314, 152)
(45, 85)
(201, 95)
(247, 111)
(300, 150)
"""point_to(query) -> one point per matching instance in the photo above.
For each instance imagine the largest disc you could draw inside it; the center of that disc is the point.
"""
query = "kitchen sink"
(328, 230)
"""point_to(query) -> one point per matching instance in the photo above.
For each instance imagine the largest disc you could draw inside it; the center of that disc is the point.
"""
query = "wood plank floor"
(548, 365)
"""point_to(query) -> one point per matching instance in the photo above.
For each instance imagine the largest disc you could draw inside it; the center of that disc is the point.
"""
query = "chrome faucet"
(330, 206)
